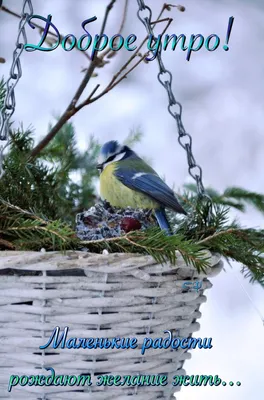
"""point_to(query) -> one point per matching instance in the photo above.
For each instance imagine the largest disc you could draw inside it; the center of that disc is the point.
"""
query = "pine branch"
(211, 228)
(25, 230)
(203, 218)
(245, 246)
(48, 183)
(135, 135)
(253, 198)
(35, 208)
(157, 244)
(234, 197)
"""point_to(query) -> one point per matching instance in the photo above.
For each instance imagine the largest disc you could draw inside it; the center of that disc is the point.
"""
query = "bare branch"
(72, 109)
(116, 78)
(107, 51)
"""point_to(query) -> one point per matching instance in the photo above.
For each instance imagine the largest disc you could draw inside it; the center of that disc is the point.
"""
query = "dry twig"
(96, 62)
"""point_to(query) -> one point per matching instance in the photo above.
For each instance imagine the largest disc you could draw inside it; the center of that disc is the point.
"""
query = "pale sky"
(222, 97)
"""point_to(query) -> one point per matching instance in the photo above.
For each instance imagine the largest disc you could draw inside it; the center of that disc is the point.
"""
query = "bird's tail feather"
(162, 220)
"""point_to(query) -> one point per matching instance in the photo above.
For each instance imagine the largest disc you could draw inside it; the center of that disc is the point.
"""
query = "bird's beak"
(99, 166)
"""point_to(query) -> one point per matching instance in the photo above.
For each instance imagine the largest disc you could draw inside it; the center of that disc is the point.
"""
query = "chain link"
(15, 74)
(174, 107)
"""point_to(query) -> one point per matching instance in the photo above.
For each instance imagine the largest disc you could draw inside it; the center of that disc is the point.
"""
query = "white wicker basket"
(95, 295)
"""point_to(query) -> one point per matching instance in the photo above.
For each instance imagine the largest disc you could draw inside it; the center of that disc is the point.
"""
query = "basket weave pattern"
(95, 295)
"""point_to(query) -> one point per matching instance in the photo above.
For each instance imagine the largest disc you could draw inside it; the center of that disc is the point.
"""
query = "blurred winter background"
(223, 109)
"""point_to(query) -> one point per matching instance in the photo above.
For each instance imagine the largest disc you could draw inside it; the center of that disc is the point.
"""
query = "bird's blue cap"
(110, 147)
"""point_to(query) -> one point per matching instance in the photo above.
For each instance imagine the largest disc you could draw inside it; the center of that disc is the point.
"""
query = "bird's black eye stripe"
(111, 158)
(114, 155)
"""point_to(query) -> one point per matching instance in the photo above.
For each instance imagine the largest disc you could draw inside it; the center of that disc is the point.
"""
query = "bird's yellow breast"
(119, 195)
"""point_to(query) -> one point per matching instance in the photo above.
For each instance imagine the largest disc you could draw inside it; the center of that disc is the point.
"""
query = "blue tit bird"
(127, 180)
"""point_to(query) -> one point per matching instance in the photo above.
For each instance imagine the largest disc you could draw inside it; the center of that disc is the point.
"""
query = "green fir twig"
(157, 244)
(39, 200)
(24, 230)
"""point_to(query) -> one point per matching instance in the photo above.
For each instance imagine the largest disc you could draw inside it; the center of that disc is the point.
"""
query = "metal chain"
(15, 74)
(165, 78)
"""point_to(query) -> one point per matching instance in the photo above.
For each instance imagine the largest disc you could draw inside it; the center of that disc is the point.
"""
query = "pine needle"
(157, 244)
(39, 201)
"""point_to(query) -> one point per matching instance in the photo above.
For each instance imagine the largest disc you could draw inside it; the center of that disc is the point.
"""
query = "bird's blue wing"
(150, 184)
